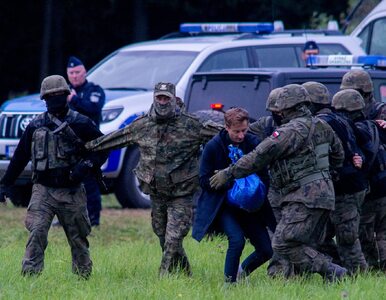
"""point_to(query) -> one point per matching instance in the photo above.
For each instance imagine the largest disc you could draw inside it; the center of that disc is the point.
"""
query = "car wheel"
(127, 189)
(21, 194)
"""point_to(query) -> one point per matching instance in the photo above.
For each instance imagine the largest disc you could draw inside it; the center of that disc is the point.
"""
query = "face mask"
(56, 104)
(277, 119)
(165, 111)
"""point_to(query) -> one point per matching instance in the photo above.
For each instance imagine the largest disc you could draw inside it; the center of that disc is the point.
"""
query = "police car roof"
(199, 43)
(300, 71)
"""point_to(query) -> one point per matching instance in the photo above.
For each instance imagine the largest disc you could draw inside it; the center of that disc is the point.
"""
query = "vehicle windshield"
(141, 70)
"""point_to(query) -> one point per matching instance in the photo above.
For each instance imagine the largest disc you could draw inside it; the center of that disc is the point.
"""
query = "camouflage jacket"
(287, 142)
(169, 150)
(263, 127)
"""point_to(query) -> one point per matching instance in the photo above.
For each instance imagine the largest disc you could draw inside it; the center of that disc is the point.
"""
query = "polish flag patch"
(275, 134)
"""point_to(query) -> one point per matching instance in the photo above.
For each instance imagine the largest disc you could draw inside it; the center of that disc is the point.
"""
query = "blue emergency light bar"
(346, 60)
(226, 27)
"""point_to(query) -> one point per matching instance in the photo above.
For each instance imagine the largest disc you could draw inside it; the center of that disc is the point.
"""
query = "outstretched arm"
(114, 140)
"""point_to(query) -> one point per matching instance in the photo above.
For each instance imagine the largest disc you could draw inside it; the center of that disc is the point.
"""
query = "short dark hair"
(235, 115)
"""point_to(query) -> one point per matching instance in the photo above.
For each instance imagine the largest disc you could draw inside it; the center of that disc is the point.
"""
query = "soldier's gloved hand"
(81, 171)
(220, 178)
(4, 193)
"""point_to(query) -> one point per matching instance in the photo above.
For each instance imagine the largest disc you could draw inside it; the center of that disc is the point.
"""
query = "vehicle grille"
(13, 125)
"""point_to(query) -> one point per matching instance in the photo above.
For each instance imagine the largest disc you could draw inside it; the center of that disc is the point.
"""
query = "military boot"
(334, 273)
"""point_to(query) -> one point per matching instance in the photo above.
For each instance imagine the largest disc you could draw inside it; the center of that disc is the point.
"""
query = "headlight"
(110, 114)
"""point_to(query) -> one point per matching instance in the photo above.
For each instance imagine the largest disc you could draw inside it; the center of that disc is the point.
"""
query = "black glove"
(4, 193)
(81, 171)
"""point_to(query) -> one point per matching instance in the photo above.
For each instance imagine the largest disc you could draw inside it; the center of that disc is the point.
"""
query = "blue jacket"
(215, 157)
(89, 101)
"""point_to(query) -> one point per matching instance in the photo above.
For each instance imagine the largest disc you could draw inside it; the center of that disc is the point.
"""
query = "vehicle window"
(141, 69)
(364, 36)
(325, 49)
(230, 59)
(249, 94)
(276, 57)
(378, 42)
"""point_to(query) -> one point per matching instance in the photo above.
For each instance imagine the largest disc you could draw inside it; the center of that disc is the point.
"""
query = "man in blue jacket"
(214, 211)
(88, 99)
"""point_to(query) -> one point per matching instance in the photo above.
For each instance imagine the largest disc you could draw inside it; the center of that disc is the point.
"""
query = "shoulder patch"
(275, 134)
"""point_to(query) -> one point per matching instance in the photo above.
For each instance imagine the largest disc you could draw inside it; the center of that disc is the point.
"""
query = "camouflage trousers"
(296, 235)
(171, 221)
(372, 232)
(70, 207)
(278, 265)
(345, 226)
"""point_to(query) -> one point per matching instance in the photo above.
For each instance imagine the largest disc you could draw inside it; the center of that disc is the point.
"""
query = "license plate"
(10, 150)
(340, 60)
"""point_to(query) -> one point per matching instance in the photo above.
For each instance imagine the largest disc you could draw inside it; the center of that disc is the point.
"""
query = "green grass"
(126, 256)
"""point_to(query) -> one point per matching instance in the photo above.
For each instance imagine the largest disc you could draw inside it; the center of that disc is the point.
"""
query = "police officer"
(169, 141)
(351, 184)
(310, 48)
(88, 99)
(299, 154)
(53, 141)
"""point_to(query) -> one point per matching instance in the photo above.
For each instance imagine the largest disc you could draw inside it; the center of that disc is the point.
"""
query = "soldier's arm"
(209, 130)
(114, 140)
(282, 141)
(336, 152)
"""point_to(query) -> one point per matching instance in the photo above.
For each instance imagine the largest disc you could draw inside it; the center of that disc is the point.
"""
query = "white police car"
(129, 74)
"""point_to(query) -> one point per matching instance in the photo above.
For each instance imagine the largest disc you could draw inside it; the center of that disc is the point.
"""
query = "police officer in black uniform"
(88, 99)
(54, 142)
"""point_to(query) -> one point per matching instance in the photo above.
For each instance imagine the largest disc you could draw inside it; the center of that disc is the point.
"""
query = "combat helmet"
(290, 96)
(318, 92)
(272, 99)
(53, 84)
(348, 100)
(357, 80)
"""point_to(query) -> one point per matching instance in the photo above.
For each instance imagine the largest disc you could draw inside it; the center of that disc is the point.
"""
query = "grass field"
(126, 257)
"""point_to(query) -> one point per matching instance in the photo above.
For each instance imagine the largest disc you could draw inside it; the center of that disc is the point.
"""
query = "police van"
(216, 91)
(129, 74)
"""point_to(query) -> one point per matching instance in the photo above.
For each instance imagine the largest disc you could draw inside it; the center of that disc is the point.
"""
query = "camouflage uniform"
(167, 170)
(54, 141)
(263, 128)
(350, 189)
(372, 228)
(299, 154)
(360, 81)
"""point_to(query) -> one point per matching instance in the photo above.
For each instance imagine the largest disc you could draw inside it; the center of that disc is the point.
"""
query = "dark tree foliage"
(39, 35)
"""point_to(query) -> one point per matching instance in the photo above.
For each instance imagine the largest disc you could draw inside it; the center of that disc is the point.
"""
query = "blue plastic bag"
(247, 193)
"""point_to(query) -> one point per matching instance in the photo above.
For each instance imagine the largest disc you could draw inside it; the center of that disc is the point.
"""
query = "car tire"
(21, 195)
(127, 190)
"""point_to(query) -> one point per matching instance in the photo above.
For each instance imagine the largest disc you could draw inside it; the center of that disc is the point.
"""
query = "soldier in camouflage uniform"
(351, 184)
(263, 128)
(299, 154)
(372, 232)
(54, 141)
(360, 81)
(169, 141)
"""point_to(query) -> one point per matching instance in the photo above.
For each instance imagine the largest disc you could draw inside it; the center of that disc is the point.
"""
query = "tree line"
(38, 36)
